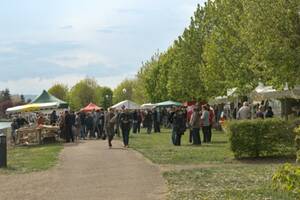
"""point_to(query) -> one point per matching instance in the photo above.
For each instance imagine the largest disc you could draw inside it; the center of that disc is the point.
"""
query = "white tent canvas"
(148, 106)
(126, 104)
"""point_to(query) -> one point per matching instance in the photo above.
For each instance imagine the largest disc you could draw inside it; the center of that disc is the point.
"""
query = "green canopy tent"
(46, 97)
(168, 104)
(43, 102)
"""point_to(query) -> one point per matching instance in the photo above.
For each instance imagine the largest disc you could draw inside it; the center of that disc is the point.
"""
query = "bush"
(287, 178)
(255, 138)
(297, 142)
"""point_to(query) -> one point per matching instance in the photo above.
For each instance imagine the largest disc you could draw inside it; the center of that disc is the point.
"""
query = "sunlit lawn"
(32, 158)
(220, 177)
(159, 149)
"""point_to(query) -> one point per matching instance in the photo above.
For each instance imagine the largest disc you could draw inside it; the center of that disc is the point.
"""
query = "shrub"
(255, 138)
(287, 178)
(297, 142)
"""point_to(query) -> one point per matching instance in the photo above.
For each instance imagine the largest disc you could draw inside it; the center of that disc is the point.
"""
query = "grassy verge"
(249, 182)
(223, 177)
(32, 158)
(159, 149)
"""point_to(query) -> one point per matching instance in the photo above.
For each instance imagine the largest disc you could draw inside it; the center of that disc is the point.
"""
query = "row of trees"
(229, 43)
(83, 93)
(7, 101)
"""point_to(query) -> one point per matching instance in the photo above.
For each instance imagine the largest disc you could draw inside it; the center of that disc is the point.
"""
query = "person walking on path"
(244, 112)
(109, 123)
(195, 124)
(89, 122)
(125, 122)
(205, 123)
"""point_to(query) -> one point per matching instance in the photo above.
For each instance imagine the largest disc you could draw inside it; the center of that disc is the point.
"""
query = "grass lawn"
(159, 149)
(220, 176)
(32, 158)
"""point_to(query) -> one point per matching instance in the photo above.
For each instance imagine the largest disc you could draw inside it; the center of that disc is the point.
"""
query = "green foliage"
(5, 95)
(83, 93)
(59, 91)
(255, 138)
(228, 44)
(287, 178)
(124, 91)
(297, 142)
(105, 95)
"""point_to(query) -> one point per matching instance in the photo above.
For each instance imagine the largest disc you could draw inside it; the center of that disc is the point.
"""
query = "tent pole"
(285, 109)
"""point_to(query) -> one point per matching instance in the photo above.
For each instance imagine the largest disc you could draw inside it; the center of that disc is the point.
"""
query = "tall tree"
(60, 91)
(83, 93)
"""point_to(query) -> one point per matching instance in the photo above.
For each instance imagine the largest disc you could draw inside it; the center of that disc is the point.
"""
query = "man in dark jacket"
(125, 122)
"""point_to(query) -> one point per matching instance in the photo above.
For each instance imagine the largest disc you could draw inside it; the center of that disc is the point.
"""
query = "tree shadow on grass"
(268, 159)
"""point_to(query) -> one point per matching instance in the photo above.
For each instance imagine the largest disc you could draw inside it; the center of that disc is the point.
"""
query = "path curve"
(89, 171)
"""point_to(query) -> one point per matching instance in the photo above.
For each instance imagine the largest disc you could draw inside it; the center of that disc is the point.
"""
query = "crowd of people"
(101, 124)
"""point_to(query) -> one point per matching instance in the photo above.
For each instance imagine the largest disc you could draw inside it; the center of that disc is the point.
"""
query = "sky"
(43, 42)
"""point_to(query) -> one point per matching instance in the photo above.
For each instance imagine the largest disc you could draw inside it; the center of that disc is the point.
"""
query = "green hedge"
(256, 138)
(297, 142)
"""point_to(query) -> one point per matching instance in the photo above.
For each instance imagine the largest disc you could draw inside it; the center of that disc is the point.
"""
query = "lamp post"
(108, 100)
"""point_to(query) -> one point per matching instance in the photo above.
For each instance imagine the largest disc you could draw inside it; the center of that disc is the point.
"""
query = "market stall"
(91, 107)
(36, 135)
(168, 104)
(127, 104)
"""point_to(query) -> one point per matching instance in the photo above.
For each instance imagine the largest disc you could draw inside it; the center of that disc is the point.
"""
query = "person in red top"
(41, 120)
(211, 121)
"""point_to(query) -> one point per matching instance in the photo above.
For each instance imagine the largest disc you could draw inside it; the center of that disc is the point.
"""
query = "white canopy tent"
(147, 106)
(267, 92)
(33, 107)
(127, 104)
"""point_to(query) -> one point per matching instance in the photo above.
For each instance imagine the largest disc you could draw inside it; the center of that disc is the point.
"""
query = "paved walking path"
(89, 171)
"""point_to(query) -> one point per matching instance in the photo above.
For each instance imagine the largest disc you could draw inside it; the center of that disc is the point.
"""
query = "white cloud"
(75, 60)
(36, 85)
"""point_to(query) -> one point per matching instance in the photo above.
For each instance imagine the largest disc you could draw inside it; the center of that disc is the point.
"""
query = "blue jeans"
(82, 132)
(196, 136)
(125, 134)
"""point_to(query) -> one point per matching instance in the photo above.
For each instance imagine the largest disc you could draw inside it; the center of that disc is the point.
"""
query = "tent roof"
(45, 97)
(90, 108)
(169, 103)
(148, 106)
(32, 107)
(126, 104)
